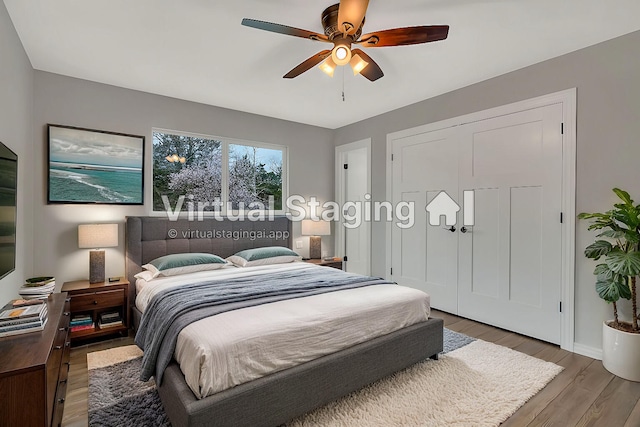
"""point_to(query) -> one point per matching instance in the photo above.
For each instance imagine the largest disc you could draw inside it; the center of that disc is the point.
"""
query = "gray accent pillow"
(175, 264)
(264, 256)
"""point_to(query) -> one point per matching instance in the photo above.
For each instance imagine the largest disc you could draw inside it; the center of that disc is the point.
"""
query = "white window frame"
(224, 193)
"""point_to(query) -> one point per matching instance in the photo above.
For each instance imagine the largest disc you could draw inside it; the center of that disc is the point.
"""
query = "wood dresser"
(33, 370)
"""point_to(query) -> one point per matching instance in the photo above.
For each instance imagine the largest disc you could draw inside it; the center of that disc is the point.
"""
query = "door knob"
(451, 229)
(463, 229)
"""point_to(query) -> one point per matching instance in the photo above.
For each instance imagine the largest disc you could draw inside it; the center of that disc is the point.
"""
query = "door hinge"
(392, 157)
(392, 271)
(562, 128)
(346, 166)
(344, 258)
(561, 218)
(560, 306)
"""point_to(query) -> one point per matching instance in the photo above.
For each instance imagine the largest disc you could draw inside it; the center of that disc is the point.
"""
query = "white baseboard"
(585, 350)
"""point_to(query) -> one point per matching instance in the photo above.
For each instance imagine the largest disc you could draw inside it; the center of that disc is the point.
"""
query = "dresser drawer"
(99, 299)
(58, 408)
(61, 337)
(53, 375)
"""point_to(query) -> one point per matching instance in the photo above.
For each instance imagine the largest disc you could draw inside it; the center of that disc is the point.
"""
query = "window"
(255, 173)
(205, 171)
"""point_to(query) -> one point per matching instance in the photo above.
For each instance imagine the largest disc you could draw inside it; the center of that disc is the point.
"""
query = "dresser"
(33, 370)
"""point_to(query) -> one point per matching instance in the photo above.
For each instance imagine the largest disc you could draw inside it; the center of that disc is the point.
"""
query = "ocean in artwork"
(71, 182)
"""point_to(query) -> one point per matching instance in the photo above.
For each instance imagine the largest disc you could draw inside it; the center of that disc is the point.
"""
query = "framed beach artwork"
(93, 166)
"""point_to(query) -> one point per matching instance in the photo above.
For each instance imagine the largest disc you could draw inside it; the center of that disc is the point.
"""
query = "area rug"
(475, 383)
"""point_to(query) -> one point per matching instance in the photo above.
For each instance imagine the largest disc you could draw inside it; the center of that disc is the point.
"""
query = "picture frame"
(87, 166)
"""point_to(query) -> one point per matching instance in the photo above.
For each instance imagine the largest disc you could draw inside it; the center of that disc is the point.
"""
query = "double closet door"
(501, 262)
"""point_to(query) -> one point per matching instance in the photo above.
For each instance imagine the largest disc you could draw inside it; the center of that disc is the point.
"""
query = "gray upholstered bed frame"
(279, 397)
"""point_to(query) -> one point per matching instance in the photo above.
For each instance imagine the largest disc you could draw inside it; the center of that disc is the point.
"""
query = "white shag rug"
(480, 384)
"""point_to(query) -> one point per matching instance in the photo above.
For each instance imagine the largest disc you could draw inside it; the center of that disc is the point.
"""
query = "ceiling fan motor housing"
(330, 24)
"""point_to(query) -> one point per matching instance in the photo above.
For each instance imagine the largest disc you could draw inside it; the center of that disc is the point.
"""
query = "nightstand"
(97, 302)
(333, 264)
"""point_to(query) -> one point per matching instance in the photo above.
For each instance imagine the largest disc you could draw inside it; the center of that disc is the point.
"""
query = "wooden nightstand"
(333, 264)
(95, 300)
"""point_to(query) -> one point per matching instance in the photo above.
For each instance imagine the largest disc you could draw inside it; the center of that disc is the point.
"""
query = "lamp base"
(315, 247)
(96, 266)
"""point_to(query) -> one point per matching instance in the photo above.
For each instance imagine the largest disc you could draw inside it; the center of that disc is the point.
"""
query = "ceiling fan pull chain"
(343, 99)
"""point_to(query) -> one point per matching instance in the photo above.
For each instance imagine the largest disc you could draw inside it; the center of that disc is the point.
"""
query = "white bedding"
(239, 346)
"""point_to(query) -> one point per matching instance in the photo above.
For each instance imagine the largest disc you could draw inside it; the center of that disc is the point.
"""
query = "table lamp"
(315, 229)
(96, 236)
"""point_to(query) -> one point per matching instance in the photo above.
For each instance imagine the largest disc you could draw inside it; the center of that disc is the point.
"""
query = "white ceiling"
(197, 50)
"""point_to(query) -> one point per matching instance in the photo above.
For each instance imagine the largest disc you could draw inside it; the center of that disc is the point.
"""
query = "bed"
(276, 397)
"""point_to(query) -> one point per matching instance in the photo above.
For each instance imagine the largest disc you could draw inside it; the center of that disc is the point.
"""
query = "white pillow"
(264, 256)
(145, 275)
(241, 262)
(176, 264)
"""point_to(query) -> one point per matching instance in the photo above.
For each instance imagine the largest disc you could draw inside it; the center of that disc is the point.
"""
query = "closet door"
(424, 256)
(510, 260)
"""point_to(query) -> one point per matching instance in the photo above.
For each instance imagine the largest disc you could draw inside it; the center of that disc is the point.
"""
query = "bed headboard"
(148, 238)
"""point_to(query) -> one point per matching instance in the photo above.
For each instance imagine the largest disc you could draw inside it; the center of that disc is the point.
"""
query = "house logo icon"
(444, 205)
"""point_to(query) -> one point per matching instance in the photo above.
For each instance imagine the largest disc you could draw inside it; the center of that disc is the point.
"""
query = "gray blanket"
(173, 309)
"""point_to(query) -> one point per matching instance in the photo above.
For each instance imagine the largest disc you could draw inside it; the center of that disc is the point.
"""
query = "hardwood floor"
(584, 394)
(75, 405)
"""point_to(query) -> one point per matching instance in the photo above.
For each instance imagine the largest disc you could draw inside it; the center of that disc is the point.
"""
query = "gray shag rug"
(118, 398)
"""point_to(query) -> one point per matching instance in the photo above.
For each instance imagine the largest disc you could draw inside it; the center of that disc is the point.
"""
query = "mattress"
(235, 347)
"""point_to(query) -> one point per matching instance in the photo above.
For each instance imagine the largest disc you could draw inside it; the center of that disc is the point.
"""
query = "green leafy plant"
(616, 276)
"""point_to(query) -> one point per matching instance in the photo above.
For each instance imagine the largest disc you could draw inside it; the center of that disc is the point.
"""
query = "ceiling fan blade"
(350, 15)
(405, 36)
(283, 29)
(308, 64)
(372, 71)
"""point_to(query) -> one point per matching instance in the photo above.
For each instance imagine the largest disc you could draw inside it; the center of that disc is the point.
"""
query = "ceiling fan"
(342, 25)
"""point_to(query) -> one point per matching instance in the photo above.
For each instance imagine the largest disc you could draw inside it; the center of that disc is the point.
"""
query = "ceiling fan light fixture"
(341, 54)
(357, 64)
(328, 66)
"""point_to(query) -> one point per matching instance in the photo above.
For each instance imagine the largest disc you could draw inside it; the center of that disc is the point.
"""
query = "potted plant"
(616, 277)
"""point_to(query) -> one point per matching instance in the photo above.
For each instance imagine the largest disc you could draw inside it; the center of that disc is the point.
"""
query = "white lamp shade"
(315, 228)
(94, 236)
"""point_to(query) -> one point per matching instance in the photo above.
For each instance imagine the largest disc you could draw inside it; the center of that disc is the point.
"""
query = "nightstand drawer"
(93, 300)
(332, 264)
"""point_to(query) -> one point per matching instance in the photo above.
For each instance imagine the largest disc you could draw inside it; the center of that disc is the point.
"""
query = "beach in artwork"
(94, 167)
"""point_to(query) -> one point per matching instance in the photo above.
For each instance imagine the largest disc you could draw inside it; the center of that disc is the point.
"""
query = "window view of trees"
(192, 166)
(254, 175)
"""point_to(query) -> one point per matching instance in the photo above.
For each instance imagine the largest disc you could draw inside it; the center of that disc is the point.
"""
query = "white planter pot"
(621, 353)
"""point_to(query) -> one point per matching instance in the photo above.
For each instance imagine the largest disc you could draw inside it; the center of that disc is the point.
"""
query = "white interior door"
(424, 256)
(510, 260)
(353, 184)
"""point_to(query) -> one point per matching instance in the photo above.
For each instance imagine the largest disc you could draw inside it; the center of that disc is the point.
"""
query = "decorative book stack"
(81, 322)
(110, 319)
(20, 320)
(38, 288)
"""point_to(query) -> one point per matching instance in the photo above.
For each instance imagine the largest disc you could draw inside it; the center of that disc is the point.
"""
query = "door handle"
(463, 229)
(451, 229)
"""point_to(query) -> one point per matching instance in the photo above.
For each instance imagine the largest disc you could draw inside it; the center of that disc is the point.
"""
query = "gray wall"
(69, 101)
(607, 77)
(16, 113)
